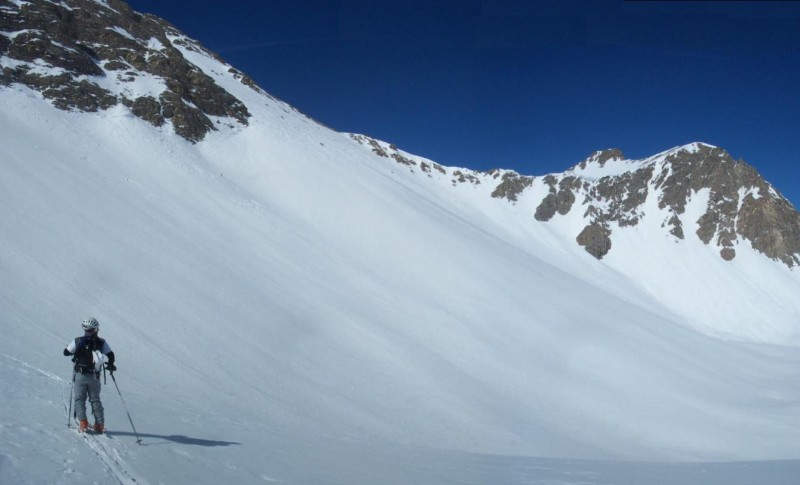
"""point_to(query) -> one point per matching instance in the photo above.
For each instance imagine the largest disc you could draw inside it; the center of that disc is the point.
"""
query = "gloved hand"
(111, 367)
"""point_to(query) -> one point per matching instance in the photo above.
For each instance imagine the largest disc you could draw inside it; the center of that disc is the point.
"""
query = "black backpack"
(84, 346)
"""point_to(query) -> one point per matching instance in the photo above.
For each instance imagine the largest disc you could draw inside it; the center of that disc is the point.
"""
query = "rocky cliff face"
(610, 193)
(89, 55)
(741, 205)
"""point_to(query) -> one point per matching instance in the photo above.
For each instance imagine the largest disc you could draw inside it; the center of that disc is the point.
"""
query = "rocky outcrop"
(72, 51)
(772, 226)
(600, 157)
(741, 205)
(390, 151)
(560, 198)
(595, 239)
(511, 185)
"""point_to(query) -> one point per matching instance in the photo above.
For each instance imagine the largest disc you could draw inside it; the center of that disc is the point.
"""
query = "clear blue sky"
(533, 86)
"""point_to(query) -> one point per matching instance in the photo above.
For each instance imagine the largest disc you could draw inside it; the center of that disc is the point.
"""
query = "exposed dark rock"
(610, 154)
(394, 153)
(564, 200)
(4, 43)
(116, 66)
(149, 109)
(560, 199)
(402, 160)
(82, 95)
(460, 177)
(773, 227)
(713, 169)
(677, 226)
(188, 122)
(551, 181)
(602, 156)
(83, 41)
(763, 217)
(708, 226)
(626, 192)
(427, 168)
(595, 239)
(246, 80)
(547, 208)
(378, 149)
(32, 45)
(511, 186)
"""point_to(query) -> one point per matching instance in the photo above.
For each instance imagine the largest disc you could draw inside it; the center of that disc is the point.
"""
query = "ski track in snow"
(112, 459)
(110, 455)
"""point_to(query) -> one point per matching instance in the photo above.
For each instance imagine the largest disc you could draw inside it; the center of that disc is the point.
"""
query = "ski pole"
(138, 440)
(71, 387)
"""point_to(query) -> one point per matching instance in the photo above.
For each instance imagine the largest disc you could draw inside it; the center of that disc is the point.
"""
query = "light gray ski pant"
(87, 385)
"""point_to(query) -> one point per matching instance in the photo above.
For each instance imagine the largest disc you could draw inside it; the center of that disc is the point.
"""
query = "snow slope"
(287, 306)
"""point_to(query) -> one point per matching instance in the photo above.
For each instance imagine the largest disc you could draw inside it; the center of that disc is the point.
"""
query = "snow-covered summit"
(693, 147)
(612, 162)
(607, 193)
(692, 202)
(91, 55)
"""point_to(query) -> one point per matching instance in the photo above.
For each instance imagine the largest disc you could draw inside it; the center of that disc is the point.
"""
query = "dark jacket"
(81, 349)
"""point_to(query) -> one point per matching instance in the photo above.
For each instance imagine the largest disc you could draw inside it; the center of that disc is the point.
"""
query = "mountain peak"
(90, 55)
(696, 187)
(735, 204)
(600, 157)
(694, 147)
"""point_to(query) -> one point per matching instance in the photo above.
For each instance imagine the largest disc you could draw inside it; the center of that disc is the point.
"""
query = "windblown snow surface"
(286, 306)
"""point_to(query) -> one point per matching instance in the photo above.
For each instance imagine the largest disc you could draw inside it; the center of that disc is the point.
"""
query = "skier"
(86, 352)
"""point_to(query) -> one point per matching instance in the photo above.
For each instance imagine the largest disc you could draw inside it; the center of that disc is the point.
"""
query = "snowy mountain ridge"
(91, 55)
(743, 210)
(288, 304)
(661, 208)
(144, 63)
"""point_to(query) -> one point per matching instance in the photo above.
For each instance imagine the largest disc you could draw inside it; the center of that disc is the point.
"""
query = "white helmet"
(90, 324)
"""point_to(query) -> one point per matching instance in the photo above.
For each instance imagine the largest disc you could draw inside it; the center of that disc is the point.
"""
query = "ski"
(108, 452)
(91, 432)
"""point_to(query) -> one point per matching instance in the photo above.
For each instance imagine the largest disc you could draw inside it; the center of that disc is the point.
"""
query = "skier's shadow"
(175, 438)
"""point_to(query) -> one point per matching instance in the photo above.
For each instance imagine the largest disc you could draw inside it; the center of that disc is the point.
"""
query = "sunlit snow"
(286, 306)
